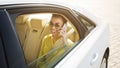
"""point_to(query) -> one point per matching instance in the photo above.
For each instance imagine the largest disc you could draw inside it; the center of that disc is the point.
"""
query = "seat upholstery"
(72, 34)
(32, 41)
(21, 27)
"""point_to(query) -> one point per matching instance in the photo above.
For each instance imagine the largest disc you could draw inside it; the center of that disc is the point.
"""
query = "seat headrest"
(36, 23)
(21, 19)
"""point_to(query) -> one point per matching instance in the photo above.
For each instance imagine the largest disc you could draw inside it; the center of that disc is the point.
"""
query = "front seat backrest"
(21, 27)
(32, 41)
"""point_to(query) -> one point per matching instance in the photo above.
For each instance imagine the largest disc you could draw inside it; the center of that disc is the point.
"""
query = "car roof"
(59, 3)
(12, 3)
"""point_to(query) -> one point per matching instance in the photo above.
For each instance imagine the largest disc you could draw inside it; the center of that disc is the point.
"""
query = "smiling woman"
(45, 37)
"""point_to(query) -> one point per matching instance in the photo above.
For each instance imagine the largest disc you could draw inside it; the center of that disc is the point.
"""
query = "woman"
(58, 31)
(55, 44)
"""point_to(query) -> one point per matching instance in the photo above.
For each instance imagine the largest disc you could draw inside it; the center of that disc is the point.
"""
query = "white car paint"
(89, 53)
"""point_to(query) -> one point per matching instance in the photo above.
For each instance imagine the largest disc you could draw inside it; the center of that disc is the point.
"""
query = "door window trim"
(65, 11)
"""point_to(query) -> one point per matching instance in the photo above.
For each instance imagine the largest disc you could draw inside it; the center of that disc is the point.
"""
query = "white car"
(23, 27)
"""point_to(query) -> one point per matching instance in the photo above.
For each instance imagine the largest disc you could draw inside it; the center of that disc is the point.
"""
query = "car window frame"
(79, 16)
(49, 8)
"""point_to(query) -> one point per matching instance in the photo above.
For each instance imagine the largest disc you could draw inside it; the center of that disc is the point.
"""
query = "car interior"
(31, 28)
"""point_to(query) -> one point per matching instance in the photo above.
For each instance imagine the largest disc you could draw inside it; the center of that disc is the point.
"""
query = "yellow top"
(47, 44)
(50, 51)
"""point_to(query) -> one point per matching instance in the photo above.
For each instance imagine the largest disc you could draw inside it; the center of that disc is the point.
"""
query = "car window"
(36, 32)
(87, 22)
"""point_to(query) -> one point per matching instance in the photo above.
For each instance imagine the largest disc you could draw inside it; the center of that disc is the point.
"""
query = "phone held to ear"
(63, 30)
(64, 34)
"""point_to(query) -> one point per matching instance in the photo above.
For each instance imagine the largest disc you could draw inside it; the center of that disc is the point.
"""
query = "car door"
(13, 56)
(90, 51)
(100, 47)
(14, 12)
(3, 63)
(87, 51)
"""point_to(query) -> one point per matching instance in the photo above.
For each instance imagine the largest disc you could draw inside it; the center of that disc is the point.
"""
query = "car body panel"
(87, 54)
(14, 55)
(92, 46)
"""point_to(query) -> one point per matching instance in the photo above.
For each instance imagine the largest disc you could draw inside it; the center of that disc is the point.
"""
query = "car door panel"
(3, 63)
(89, 53)
(12, 48)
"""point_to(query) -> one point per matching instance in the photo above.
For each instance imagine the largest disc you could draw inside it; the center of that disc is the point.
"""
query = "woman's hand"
(63, 33)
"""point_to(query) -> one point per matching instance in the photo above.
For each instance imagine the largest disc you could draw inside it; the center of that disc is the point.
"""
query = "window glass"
(45, 38)
(87, 24)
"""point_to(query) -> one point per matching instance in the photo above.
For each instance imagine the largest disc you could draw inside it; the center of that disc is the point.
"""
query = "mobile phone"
(64, 28)
(64, 34)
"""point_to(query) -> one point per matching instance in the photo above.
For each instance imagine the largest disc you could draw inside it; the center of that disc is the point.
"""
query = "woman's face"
(56, 25)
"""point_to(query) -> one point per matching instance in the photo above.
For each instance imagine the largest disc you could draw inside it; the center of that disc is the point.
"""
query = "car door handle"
(94, 58)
